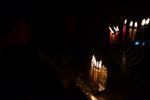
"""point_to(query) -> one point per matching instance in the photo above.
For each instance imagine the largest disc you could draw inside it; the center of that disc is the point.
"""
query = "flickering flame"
(93, 60)
(111, 30)
(97, 65)
(143, 22)
(100, 65)
(125, 21)
(117, 28)
(135, 24)
(131, 24)
(147, 21)
(93, 97)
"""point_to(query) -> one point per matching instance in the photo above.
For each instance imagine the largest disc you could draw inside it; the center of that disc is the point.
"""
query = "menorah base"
(96, 86)
(88, 88)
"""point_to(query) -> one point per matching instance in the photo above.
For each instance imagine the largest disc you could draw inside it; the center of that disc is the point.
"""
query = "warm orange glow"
(143, 22)
(134, 34)
(131, 24)
(93, 97)
(130, 33)
(135, 24)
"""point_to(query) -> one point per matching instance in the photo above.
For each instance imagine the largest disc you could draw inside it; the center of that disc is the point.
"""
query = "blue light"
(137, 43)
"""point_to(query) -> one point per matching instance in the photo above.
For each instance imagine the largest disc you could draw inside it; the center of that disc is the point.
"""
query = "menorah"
(123, 49)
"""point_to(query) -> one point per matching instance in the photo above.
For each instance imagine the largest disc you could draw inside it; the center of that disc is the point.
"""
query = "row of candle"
(132, 30)
(98, 71)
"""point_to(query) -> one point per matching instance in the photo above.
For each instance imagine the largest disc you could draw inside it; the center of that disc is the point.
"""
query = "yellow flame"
(125, 21)
(135, 24)
(147, 21)
(111, 30)
(131, 24)
(143, 22)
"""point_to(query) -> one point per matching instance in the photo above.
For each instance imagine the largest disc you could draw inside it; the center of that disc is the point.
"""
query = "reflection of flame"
(135, 24)
(143, 22)
(111, 30)
(131, 24)
(125, 21)
(147, 21)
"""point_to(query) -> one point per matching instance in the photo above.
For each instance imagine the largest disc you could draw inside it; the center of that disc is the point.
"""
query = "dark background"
(67, 32)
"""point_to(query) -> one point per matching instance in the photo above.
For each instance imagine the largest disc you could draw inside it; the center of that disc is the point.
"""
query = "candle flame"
(147, 21)
(135, 24)
(111, 30)
(125, 21)
(131, 24)
(94, 60)
(97, 65)
(143, 22)
(100, 65)
(117, 28)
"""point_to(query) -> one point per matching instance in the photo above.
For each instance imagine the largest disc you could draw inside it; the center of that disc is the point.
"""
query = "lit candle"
(111, 35)
(142, 28)
(143, 22)
(93, 63)
(130, 29)
(124, 29)
(104, 76)
(96, 72)
(147, 21)
(134, 31)
(117, 31)
(92, 66)
(99, 71)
